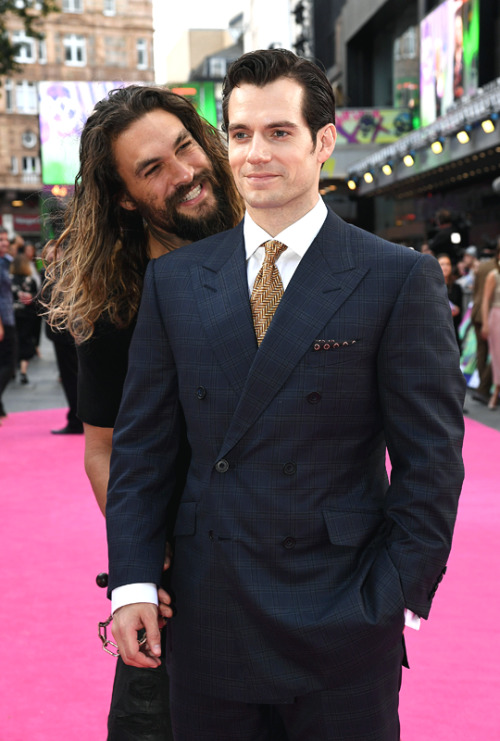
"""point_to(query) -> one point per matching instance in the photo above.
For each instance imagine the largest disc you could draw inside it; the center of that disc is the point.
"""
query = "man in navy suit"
(297, 561)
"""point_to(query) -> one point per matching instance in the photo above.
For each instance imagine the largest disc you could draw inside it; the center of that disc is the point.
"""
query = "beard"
(212, 219)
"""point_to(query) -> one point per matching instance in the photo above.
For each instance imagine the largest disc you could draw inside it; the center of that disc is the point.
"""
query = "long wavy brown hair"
(96, 267)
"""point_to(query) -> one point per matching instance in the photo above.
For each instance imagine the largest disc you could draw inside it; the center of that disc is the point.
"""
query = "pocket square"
(331, 344)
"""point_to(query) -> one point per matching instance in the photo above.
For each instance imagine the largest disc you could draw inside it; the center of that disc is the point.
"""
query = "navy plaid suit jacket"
(295, 556)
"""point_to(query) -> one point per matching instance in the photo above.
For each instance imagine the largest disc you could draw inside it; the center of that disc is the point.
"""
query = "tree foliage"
(31, 12)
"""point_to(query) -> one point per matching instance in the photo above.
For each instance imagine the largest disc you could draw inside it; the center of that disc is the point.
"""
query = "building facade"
(440, 61)
(88, 41)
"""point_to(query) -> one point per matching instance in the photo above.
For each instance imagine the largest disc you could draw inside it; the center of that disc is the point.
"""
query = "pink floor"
(55, 680)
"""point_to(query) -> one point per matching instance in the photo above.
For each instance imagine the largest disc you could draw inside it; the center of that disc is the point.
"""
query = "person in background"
(8, 334)
(454, 293)
(482, 393)
(293, 350)
(466, 274)
(31, 253)
(24, 291)
(441, 242)
(153, 177)
(490, 330)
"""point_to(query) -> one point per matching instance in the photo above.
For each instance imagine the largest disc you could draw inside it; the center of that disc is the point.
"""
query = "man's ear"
(127, 202)
(326, 138)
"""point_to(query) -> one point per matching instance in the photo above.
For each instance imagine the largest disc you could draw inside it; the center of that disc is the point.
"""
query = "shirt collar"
(297, 236)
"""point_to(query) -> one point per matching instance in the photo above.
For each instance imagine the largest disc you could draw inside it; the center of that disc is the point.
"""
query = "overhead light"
(455, 237)
(368, 177)
(387, 168)
(352, 183)
(437, 145)
(463, 135)
(17, 204)
(409, 159)
(488, 125)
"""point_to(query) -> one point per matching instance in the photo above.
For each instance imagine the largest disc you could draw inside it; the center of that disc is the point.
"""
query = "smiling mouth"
(193, 193)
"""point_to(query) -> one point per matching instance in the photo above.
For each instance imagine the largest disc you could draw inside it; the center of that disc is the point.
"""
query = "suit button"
(222, 466)
(288, 542)
(314, 397)
(201, 392)
(289, 468)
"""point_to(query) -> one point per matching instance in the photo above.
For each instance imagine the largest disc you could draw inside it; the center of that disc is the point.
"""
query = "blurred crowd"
(21, 281)
(472, 277)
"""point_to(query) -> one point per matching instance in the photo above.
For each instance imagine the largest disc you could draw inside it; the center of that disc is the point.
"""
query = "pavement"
(44, 391)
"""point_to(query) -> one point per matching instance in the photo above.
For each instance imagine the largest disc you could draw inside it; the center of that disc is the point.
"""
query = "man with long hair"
(153, 176)
(296, 350)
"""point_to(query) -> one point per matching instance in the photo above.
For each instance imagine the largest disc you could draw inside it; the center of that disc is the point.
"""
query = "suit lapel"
(324, 279)
(221, 290)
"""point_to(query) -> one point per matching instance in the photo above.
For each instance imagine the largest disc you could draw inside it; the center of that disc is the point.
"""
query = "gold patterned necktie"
(267, 289)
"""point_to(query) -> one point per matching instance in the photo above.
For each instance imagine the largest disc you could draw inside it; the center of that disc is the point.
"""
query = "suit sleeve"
(422, 391)
(146, 442)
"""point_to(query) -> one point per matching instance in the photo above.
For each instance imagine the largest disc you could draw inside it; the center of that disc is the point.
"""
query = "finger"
(126, 622)
(150, 622)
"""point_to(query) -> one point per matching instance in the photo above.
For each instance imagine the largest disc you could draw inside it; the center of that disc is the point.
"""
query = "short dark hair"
(267, 65)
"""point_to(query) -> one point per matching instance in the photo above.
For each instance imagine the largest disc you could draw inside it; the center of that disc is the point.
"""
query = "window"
(42, 51)
(142, 54)
(109, 7)
(9, 98)
(72, 6)
(14, 166)
(405, 47)
(31, 168)
(26, 53)
(26, 97)
(217, 67)
(75, 50)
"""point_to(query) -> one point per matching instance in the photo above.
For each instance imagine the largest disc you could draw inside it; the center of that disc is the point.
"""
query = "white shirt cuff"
(130, 594)
(412, 620)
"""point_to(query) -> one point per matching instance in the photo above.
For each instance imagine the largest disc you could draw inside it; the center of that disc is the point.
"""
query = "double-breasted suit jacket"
(294, 555)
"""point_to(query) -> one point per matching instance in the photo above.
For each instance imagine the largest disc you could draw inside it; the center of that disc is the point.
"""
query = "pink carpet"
(55, 680)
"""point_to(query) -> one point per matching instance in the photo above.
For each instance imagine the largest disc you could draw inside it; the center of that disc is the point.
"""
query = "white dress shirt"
(298, 237)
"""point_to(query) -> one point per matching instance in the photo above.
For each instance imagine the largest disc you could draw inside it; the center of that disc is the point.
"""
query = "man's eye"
(151, 171)
(279, 134)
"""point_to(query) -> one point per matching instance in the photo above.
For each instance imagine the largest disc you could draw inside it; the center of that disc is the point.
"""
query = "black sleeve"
(102, 367)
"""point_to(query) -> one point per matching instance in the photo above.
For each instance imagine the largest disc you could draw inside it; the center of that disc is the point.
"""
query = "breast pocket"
(335, 352)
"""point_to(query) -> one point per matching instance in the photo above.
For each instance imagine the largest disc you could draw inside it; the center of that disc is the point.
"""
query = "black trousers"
(140, 705)
(8, 359)
(67, 363)
(364, 709)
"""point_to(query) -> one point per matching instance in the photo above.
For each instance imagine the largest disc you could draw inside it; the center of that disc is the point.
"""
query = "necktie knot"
(273, 249)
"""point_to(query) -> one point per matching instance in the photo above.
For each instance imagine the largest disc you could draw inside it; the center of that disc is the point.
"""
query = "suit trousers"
(364, 708)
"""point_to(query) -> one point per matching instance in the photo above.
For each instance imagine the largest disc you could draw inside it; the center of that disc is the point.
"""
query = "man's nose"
(181, 173)
(259, 150)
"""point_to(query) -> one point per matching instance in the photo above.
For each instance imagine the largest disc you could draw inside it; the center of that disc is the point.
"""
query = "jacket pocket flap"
(352, 528)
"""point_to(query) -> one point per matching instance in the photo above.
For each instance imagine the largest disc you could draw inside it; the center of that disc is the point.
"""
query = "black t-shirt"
(102, 367)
